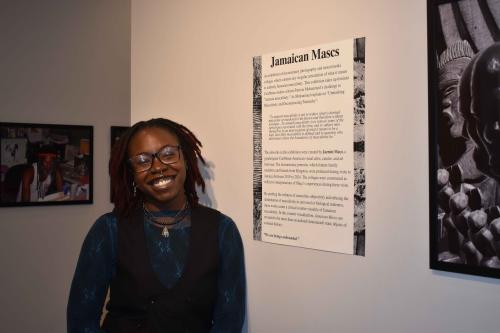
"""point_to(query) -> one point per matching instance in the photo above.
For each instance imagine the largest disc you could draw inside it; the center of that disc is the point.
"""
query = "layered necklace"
(164, 222)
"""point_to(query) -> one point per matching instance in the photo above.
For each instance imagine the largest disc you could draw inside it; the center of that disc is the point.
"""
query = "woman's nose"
(157, 165)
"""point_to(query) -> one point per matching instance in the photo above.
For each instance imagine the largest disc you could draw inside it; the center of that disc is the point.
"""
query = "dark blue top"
(97, 266)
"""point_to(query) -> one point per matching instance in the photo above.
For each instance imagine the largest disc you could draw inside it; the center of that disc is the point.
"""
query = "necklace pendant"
(164, 232)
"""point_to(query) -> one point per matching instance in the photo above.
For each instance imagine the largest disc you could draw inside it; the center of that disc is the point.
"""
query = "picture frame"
(464, 136)
(115, 134)
(45, 164)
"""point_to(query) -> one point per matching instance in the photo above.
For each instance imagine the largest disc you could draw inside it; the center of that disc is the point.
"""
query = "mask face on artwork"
(451, 118)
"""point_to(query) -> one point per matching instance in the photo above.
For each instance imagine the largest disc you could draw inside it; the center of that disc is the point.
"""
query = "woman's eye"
(142, 159)
(167, 152)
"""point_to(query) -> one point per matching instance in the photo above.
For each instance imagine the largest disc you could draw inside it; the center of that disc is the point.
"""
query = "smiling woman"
(170, 263)
(159, 168)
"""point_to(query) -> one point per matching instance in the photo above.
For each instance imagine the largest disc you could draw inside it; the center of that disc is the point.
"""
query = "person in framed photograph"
(41, 178)
(170, 263)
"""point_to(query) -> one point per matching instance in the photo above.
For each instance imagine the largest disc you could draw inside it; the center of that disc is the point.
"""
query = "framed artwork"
(464, 135)
(43, 164)
(116, 133)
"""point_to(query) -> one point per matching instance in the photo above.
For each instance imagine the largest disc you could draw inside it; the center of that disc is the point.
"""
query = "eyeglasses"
(144, 162)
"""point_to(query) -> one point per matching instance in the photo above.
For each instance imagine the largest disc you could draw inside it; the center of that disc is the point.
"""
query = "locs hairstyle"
(122, 176)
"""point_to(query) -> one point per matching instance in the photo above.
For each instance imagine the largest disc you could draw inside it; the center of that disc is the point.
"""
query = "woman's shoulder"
(104, 226)
(223, 220)
(228, 231)
(225, 224)
(230, 242)
(107, 219)
(226, 221)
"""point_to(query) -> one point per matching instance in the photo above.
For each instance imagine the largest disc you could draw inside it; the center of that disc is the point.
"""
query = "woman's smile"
(162, 182)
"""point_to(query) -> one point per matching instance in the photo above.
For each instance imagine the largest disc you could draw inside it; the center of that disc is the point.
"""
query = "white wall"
(61, 62)
(192, 62)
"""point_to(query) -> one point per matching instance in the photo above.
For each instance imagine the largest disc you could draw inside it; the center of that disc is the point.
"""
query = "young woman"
(171, 264)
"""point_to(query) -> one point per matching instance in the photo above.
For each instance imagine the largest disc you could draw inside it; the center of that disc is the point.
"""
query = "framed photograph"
(464, 135)
(44, 164)
(116, 133)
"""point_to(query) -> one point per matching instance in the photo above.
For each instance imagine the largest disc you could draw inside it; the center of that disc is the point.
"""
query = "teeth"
(162, 182)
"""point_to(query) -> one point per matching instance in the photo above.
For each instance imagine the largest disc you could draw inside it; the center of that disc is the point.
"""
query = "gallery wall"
(192, 62)
(61, 62)
(68, 62)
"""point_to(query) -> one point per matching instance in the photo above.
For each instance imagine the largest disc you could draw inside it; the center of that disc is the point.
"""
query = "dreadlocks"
(122, 176)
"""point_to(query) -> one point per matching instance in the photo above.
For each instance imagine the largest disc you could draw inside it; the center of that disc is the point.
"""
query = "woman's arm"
(94, 271)
(27, 179)
(229, 313)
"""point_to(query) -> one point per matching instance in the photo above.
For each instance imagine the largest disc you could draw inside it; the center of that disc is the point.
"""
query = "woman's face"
(162, 185)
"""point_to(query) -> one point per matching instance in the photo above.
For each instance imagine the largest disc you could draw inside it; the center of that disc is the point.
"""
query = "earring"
(134, 188)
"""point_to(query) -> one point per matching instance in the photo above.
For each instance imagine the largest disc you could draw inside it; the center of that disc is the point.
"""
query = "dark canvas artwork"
(464, 114)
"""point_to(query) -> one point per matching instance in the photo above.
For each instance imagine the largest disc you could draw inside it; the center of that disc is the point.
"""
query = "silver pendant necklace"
(157, 221)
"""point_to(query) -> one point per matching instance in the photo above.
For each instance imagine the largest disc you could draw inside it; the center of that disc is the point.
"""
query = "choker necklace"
(157, 221)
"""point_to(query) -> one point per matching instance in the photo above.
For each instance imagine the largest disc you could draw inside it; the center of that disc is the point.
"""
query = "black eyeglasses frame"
(153, 156)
